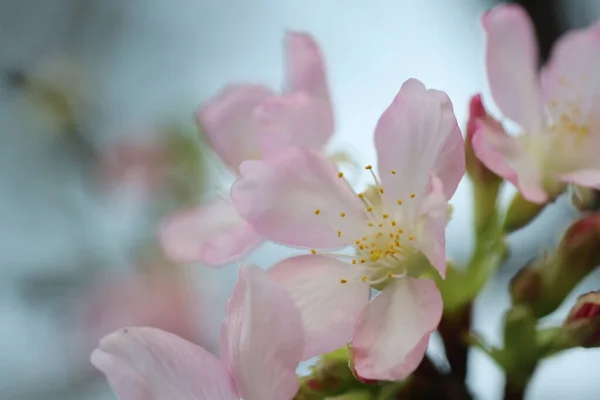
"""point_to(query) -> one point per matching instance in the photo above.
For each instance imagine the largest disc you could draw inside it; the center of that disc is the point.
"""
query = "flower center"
(385, 245)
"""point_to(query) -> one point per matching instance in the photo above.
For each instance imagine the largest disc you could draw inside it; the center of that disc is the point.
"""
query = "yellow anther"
(369, 167)
(353, 261)
(313, 251)
(370, 224)
(339, 233)
(411, 237)
(364, 238)
(399, 202)
(390, 275)
(385, 216)
(374, 257)
(393, 172)
(342, 214)
(317, 211)
(361, 247)
(369, 209)
(412, 195)
(357, 241)
(361, 195)
(393, 223)
(391, 235)
(362, 261)
(364, 279)
(342, 281)
(340, 174)
(400, 231)
(380, 225)
(381, 190)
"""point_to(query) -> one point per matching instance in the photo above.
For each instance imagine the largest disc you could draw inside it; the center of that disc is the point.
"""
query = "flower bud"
(526, 286)
(520, 213)
(583, 322)
(476, 170)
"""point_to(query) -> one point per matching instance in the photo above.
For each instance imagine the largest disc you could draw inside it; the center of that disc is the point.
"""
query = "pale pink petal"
(212, 233)
(418, 133)
(227, 122)
(570, 79)
(511, 59)
(124, 380)
(329, 294)
(391, 333)
(296, 198)
(296, 119)
(305, 66)
(583, 177)
(505, 156)
(168, 366)
(432, 239)
(262, 338)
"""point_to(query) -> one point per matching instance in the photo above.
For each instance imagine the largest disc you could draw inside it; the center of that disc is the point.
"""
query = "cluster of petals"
(558, 108)
(249, 122)
(261, 344)
(396, 229)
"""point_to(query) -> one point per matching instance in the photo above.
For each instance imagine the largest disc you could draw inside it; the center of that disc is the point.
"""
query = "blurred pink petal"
(328, 294)
(227, 122)
(262, 337)
(416, 135)
(305, 66)
(212, 233)
(297, 199)
(512, 61)
(392, 333)
(293, 120)
(167, 366)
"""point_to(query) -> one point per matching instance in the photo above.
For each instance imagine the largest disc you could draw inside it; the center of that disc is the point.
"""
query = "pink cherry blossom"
(557, 109)
(248, 122)
(396, 229)
(261, 344)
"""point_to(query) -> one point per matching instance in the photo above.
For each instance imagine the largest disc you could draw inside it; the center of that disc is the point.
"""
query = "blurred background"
(98, 143)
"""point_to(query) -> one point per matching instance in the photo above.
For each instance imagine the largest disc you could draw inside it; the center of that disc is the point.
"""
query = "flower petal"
(227, 122)
(296, 198)
(168, 366)
(511, 60)
(392, 332)
(294, 120)
(262, 338)
(570, 78)
(212, 233)
(584, 177)
(124, 380)
(432, 240)
(329, 308)
(418, 133)
(505, 156)
(305, 66)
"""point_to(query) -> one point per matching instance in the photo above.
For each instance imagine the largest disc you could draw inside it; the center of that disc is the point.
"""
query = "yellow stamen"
(313, 251)
(362, 261)
(411, 237)
(339, 233)
(342, 281)
(399, 202)
(317, 211)
(369, 209)
(381, 190)
(353, 261)
(412, 195)
(342, 214)
(340, 174)
(364, 279)
(369, 167)
(385, 216)
(393, 172)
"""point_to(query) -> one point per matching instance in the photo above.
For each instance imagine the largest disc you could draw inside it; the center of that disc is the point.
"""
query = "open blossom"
(248, 122)
(261, 344)
(557, 109)
(396, 229)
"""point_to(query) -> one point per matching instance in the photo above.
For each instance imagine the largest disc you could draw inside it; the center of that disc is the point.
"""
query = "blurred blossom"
(247, 122)
(558, 109)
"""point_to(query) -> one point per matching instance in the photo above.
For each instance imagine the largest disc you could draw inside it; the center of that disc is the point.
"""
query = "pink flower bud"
(583, 322)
